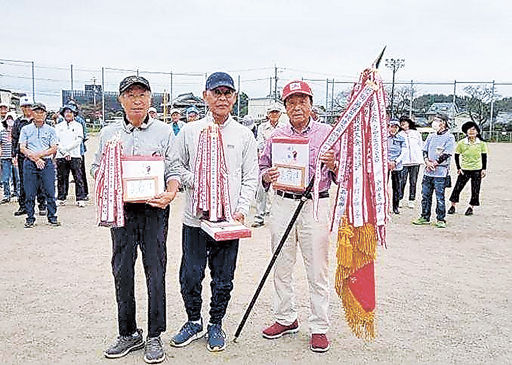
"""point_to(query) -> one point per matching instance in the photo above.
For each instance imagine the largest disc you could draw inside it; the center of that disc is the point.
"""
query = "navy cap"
(218, 79)
(133, 80)
(37, 106)
(394, 122)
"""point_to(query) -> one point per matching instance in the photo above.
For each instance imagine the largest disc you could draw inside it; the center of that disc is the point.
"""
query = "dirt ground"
(443, 296)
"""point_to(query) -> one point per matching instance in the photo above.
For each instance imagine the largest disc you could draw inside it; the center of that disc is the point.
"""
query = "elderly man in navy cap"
(198, 249)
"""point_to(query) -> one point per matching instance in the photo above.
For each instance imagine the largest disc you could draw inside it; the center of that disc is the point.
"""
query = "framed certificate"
(143, 177)
(291, 177)
(291, 157)
(139, 189)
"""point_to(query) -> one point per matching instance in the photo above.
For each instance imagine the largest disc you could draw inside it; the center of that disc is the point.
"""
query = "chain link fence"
(95, 89)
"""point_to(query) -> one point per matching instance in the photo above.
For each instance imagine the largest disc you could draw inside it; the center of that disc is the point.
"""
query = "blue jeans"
(16, 180)
(32, 179)
(429, 184)
(6, 176)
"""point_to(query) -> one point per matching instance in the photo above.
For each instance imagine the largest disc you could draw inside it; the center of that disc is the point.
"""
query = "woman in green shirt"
(471, 162)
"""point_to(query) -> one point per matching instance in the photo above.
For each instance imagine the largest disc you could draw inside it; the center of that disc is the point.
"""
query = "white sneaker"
(411, 204)
(80, 203)
(400, 205)
(60, 202)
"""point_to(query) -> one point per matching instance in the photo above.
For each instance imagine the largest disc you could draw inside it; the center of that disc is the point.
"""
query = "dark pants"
(429, 184)
(411, 171)
(63, 168)
(21, 199)
(198, 249)
(476, 179)
(396, 186)
(84, 174)
(145, 226)
(44, 179)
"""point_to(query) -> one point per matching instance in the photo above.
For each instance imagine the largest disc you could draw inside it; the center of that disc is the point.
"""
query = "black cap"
(443, 117)
(466, 126)
(133, 80)
(218, 79)
(37, 106)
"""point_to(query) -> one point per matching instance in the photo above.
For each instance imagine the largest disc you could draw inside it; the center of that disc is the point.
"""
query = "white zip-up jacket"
(413, 154)
(241, 163)
(70, 136)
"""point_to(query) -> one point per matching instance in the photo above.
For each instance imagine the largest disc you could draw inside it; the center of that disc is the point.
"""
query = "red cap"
(296, 87)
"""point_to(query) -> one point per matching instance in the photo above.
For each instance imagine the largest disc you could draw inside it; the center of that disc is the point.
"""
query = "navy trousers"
(198, 250)
(145, 227)
(35, 179)
(21, 199)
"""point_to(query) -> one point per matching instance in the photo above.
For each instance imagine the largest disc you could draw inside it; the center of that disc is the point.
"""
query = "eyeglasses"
(227, 92)
(133, 97)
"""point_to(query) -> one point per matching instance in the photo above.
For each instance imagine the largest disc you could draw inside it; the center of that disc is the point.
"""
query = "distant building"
(450, 109)
(184, 101)
(11, 97)
(90, 102)
(257, 107)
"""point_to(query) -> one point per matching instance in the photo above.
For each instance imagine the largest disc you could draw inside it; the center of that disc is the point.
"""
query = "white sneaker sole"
(133, 348)
(287, 332)
(315, 349)
(215, 349)
(154, 361)
(197, 336)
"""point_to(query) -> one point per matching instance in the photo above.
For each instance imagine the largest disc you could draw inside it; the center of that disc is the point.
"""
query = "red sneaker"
(319, 343)
(277, 330)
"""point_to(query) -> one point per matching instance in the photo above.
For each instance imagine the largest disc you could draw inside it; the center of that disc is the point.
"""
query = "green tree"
(244, 103)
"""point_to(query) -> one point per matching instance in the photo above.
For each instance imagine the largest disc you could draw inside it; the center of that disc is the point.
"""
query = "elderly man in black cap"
(146, 224)
(239, 148)
(38, 143)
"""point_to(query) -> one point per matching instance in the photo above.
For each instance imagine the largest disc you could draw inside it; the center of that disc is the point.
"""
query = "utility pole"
(394, 64)
(410, 101)
(170, 92)
(33, 84)
(326, 95)
(238, 97)
(72, 93)
(103, 94)
(275, 83)
(492, 108)
(94, 95)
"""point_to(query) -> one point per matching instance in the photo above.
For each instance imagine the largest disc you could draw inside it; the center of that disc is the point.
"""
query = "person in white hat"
(4, 108)
(265, 129)
(310, 235)
(153, 113)
(176, 122)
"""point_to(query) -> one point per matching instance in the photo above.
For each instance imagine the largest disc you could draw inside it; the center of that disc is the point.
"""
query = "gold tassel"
(362, 323)
(357, 246)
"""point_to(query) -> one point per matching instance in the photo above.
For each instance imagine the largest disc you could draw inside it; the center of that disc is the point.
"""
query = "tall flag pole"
(360, 212)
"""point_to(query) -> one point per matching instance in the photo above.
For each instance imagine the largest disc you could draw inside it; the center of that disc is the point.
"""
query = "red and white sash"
(362, 166)
(108, 187)
(211, 190)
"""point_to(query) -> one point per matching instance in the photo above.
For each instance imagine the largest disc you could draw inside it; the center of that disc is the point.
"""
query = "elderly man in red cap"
(307, 233)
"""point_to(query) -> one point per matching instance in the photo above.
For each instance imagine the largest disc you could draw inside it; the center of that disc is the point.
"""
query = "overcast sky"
(439, 40)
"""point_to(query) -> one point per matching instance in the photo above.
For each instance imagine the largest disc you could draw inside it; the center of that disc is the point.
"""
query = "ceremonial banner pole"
(358, 102)
(303, 200)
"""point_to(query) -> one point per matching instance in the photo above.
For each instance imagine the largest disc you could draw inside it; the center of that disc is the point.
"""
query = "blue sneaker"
(189, 332)
(216, 338)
